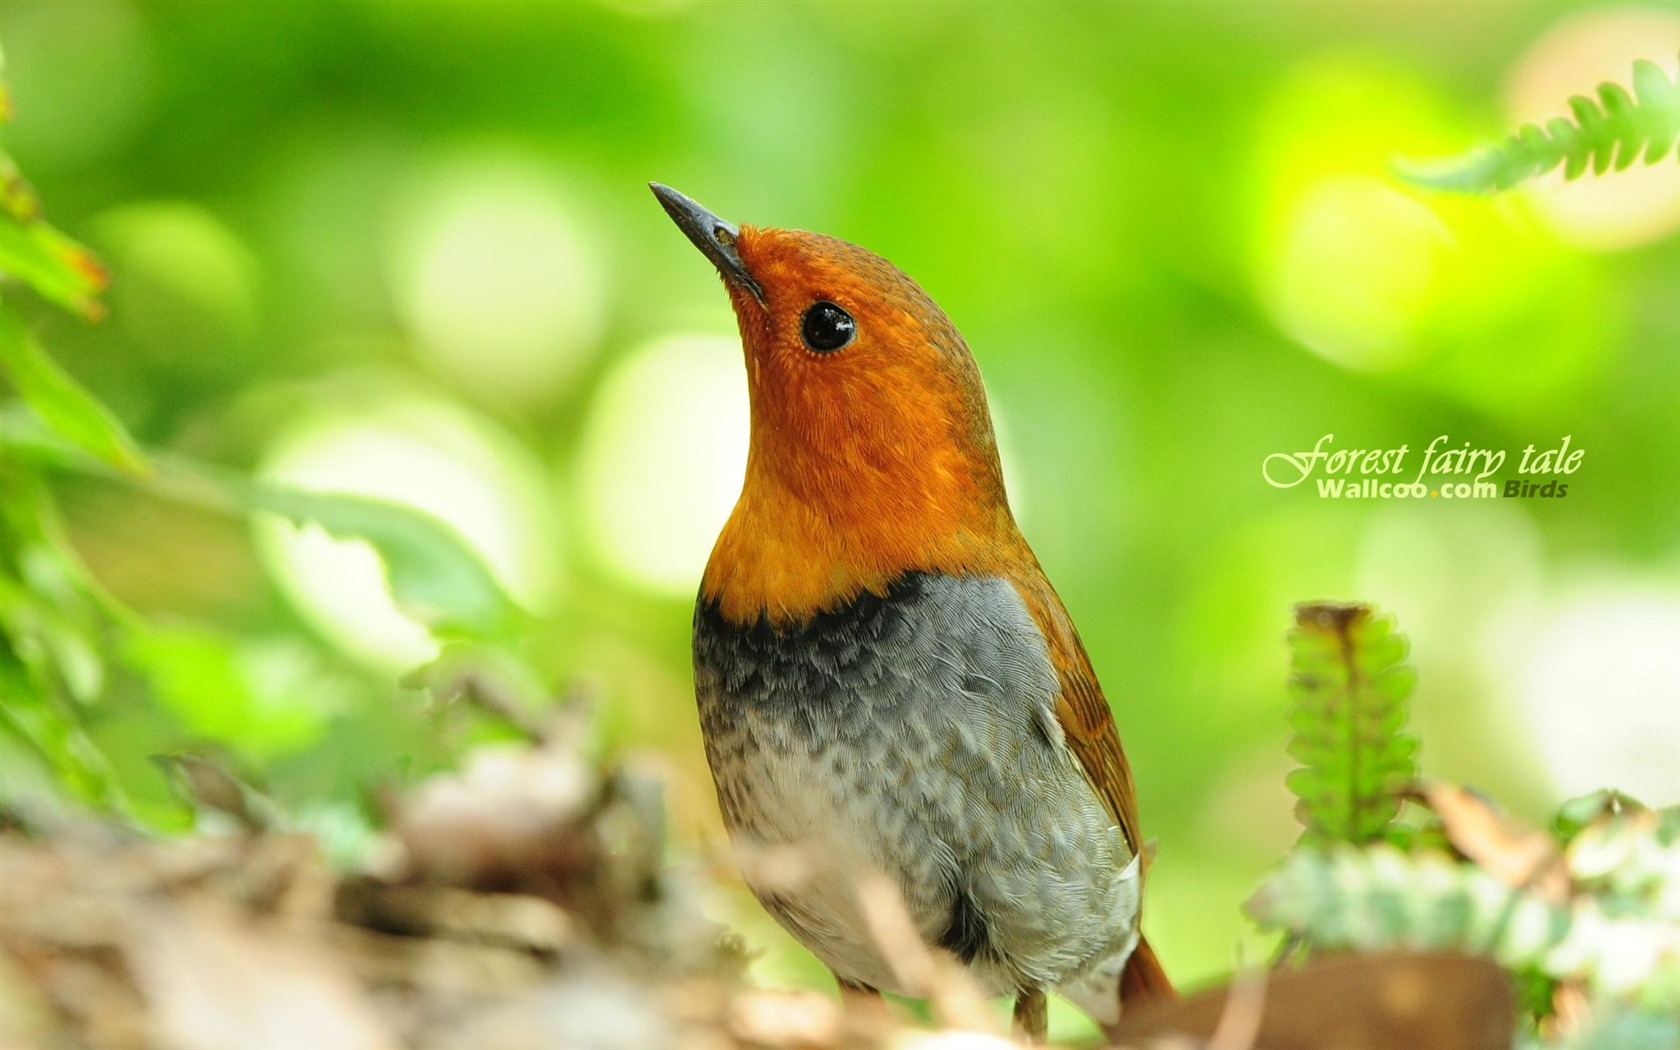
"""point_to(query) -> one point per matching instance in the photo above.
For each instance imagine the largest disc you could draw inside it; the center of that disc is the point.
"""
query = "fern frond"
(1379, 899)
(1350, 689)
(1609, 132)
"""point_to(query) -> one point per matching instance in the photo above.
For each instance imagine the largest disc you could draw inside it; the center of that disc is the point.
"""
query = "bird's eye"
(826, 328)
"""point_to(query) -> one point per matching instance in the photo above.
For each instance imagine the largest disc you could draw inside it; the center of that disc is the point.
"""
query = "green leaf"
(433, 575)
(264, 697)
(1603, 133)
(55, 266)
(61, 402)
(1349, 693)
(31, 714)
(51, 632)
(17, 197)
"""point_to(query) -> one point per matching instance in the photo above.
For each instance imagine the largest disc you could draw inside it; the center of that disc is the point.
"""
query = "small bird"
(887, 683)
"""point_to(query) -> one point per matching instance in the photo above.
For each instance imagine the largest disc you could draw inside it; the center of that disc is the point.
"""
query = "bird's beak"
(713, 236)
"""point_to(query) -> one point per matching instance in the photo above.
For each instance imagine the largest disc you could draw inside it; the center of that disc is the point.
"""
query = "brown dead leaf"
(1520, 856)
(1395, 1001)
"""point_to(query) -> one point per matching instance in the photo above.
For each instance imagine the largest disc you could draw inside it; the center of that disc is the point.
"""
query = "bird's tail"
(1144, 980)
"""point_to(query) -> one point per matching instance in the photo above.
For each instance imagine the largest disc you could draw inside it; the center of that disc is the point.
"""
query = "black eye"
(826, 327)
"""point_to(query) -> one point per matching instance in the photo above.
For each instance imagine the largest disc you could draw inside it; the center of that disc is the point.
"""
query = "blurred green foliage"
(67, 643)
(405, 251)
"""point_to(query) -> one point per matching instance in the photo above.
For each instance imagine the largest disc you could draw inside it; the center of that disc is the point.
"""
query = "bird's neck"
(797, 545)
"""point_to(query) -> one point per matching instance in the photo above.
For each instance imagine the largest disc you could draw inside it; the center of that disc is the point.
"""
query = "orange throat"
(786, 556)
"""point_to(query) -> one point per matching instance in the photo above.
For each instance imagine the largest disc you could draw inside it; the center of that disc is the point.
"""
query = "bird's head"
(872, 450)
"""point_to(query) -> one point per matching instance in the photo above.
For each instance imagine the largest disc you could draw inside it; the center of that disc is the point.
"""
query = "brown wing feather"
(1089, 727)
(1081, 709)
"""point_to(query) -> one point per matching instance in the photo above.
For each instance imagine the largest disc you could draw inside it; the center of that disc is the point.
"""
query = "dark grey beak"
(713, 236)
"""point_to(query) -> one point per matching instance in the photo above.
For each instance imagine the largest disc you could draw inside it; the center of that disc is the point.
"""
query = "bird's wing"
(1089, 727)
(1081, 708)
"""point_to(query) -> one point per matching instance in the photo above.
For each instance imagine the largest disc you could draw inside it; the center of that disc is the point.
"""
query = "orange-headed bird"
(887, 682)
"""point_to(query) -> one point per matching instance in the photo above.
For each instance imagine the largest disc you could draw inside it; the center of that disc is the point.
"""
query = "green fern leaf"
(1349, 686)
(1608, 132)
(1380, 899)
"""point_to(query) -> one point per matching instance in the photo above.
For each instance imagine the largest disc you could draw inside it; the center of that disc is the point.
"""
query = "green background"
(400, 247)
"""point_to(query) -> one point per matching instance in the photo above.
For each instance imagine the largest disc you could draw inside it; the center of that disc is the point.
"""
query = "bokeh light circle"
(1449, 571)
(85, 76)
(1344, 260)
(495, 277)
(1597, 684)
(1475, 298)
(664, 451)
(1354, 270)
(188, 283)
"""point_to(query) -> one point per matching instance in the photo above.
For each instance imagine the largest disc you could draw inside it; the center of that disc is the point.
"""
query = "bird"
(887, 684)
